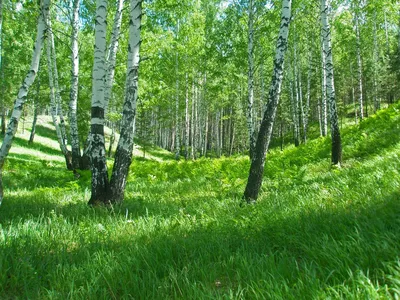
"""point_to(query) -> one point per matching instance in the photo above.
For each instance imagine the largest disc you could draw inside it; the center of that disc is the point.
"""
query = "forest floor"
(317, 232)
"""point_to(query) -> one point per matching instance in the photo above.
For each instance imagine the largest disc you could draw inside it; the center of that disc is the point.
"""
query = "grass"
(316, 233)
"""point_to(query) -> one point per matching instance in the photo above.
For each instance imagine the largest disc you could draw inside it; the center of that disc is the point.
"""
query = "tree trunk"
(324, 104)
(123, 155)
(73, 99)
(295, 119)
(35, 112)
(177, 119)
(264, 136)
(330, 87)
(53, 104)
(192, 150)
(23, 90)
(359, 68)
(250, 80)
(307, 107)
(187, 120)
(112, 52)
(100, 183)
(112, 140)
(54, 70)
(376, 66)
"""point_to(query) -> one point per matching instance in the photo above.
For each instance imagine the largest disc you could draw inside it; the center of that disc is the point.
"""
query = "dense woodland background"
(194, 67)
(320, 229)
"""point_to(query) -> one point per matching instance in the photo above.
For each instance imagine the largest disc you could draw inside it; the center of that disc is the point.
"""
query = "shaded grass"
(316, 233)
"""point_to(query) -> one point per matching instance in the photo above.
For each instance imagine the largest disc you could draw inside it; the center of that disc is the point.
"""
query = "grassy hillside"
(316, 233)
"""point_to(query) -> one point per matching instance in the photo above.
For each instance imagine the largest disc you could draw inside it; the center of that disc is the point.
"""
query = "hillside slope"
(317, 232)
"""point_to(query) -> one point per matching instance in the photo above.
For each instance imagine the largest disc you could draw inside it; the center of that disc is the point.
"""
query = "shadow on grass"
(296, 257)
(36, 146)
(46, 132)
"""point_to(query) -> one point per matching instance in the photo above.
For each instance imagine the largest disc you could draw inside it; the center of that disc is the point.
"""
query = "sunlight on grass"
(183, 232)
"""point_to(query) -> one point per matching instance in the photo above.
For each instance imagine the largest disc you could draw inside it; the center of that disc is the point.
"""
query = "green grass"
(316, 233)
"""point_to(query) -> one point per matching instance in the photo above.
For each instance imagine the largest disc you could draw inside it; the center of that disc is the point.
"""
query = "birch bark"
(73, 98)
(324, 104)
(330, 87)
(53, 103)
(177, 119)
(23, 90)
(123, 155)
(359, 67)
(308, 96)
(187, 120)
(264, 136)
(100, 183)
(112, 52)
(250, 79)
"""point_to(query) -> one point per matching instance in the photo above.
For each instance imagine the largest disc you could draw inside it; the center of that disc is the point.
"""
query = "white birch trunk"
(96, 137)
(297, 104)
(23, 90)
(112, 52)
(295, 117)
(73, 99)
(324, 104)
(330, 87)
(123, 155)
(192, 120)
(359, 68)
(376, 66)
(53, 102)
(264, 136)
(250, 79)
(187, 120)
(177, 119)
(308, 96)
(54, 70)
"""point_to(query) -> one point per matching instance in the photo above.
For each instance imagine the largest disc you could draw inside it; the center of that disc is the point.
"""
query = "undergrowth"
(183, 232)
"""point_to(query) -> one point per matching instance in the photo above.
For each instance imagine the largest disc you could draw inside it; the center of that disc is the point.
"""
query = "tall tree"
(330, 87)
(23, 90)
(123, 156)
(264, 136)
(73, 98)
(96, 137)
(359, 64)
(250, 78)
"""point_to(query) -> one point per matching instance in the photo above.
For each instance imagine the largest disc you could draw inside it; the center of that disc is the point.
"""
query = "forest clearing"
(199, 149)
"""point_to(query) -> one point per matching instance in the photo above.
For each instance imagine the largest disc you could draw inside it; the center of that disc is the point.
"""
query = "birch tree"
(123, 156)
(330, 87)
(55, 98)
(23, 90)
(250, 78)
(264, 136)
(96, 137)
(54, 103)
(73, 98)
(359, 65)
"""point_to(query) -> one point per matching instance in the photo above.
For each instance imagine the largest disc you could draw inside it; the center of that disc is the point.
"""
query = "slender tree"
(264, 136)
(359, 66)
(123, 155)
(73, 98)
(250, 78)
(55, 97)
(23, 90)
(330, 87)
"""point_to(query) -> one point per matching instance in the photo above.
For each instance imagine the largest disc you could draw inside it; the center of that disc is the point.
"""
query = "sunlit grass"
(183, 232)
